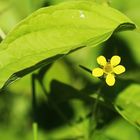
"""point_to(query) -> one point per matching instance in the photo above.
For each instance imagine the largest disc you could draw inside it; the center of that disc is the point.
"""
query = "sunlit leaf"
(53, 32)
(128, 104)
(122, 127)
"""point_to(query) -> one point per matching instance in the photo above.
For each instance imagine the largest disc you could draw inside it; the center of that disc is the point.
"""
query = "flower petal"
(110, 79)
(115, 60)
(119, 69)
(97, 72)
(101, 60)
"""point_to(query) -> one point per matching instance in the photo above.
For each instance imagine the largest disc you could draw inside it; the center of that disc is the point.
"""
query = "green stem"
(35, 131)
(94, 117)
(34, 104)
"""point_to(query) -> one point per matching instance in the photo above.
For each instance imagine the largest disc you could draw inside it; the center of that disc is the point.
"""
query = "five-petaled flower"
(108, 69)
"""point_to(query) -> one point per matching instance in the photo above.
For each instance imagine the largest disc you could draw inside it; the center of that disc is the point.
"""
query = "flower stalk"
(34, 104)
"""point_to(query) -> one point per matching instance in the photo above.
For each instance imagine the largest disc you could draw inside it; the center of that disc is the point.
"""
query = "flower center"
(108, 68)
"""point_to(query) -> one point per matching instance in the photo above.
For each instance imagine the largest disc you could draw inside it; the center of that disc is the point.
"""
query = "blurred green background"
(65, 113)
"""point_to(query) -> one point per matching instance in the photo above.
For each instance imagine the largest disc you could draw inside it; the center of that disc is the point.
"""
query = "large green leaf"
(128, 104)
(53, 32)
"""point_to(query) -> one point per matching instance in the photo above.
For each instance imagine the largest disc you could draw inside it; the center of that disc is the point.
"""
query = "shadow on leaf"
(117, 46)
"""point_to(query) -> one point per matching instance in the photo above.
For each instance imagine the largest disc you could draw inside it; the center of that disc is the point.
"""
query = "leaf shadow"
(57, 111)
(115, 45)
(110, 93)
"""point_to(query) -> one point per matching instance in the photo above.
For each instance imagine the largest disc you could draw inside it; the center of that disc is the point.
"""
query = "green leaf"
(53, 32)
(125, 130)
(128, 104)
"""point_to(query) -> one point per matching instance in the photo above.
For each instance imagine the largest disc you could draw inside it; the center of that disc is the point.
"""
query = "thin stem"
(94, 118)
(34, 104)
(35, 131)
(96, 102)
(86, 69)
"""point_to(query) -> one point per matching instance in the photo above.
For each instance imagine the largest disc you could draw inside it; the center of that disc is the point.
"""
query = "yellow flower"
(108, 69)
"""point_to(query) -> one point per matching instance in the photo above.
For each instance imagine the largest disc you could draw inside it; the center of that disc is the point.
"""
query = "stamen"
(108, 68)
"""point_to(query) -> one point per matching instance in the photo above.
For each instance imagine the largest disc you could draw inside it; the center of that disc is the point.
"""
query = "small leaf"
(53, 32)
